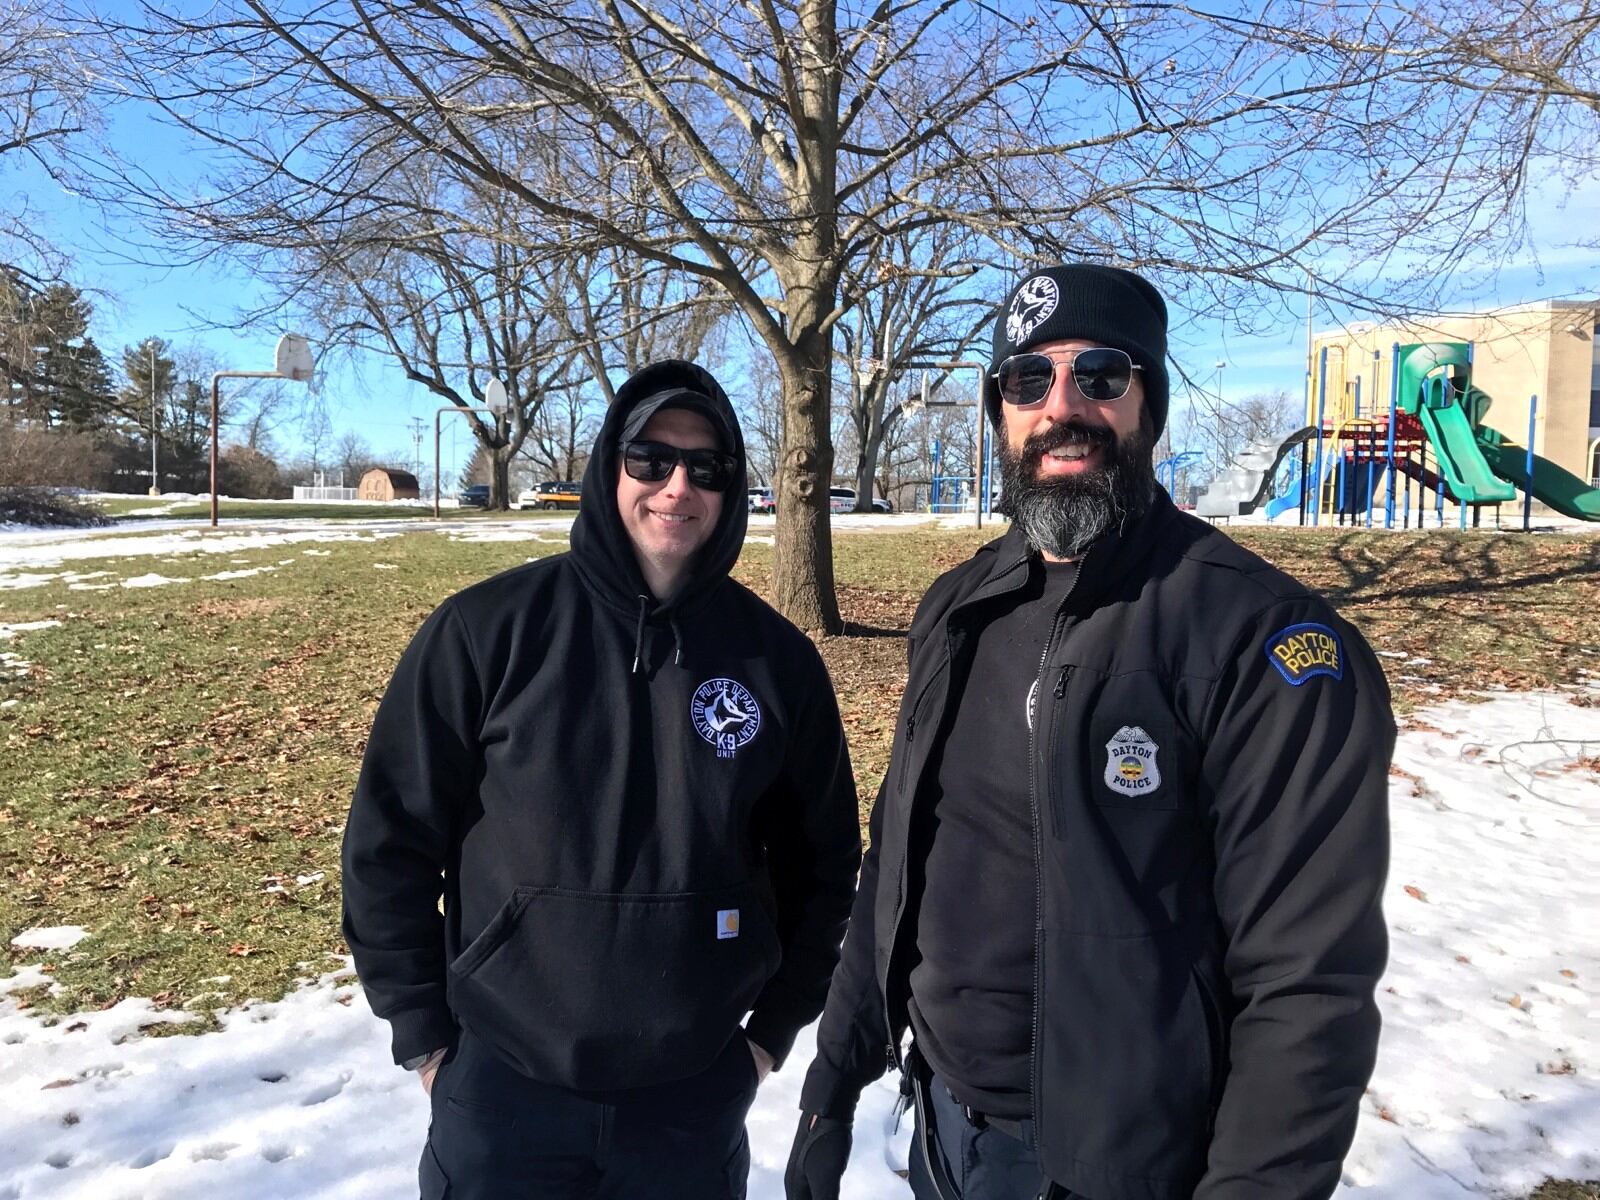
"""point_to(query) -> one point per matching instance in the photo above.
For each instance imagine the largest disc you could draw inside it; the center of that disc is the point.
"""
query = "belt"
(1009, 1126)
(917, 1081)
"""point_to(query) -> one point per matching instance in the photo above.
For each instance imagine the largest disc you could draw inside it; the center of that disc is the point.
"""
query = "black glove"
(816, 1164)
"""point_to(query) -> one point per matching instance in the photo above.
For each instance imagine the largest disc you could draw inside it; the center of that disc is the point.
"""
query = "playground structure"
(1364, 458)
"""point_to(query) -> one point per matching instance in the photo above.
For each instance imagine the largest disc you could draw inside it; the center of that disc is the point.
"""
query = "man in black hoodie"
(627, 777)
(1124, 879)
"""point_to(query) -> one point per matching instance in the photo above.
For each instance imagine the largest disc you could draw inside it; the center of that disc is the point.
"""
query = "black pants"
(498, 1135)
(978, 1161)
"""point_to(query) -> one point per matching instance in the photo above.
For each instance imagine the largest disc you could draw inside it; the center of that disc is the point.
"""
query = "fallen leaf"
(1416, 893)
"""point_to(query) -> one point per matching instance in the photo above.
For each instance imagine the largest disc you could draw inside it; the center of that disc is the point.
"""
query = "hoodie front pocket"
(600, 990)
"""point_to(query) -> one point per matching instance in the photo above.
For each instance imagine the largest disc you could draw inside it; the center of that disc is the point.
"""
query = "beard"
(1063, 516)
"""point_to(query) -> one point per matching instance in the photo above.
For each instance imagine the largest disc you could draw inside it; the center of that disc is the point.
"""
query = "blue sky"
(187, 304)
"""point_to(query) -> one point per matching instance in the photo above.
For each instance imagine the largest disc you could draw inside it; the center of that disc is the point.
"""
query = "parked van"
(551, 494)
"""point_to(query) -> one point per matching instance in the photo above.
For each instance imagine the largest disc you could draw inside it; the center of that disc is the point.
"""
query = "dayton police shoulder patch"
(1304, 651)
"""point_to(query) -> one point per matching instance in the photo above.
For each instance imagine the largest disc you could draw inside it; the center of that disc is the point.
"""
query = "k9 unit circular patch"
(725, 714)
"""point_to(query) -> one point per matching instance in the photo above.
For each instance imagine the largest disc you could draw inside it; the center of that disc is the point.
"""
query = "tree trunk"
(500, 477)
(867, 468)
(803, 558)
(876, 401)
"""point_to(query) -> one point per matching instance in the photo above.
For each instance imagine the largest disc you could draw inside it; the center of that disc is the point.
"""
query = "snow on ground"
(51, 937)
(26, 558)
(28, 555)
(14, 664)
(1488, 1077)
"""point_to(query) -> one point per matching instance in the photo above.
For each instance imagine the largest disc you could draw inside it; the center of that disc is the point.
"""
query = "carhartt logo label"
(1303, 652)
(1131, 768)
(727, 924)
(725, 714)
(1035, 300)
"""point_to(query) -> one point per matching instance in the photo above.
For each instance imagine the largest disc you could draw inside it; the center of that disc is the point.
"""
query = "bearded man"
(1125, 867)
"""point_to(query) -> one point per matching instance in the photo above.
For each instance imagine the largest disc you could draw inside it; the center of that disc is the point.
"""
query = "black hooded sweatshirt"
(641, 815)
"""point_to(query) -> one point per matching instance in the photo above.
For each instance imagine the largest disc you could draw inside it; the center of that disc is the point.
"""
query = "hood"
(600, 545)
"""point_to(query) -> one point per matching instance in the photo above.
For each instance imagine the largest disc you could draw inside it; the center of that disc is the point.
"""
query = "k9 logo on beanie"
(1035, 300)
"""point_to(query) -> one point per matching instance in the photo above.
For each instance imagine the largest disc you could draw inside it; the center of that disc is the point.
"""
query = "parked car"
(551, 494)
(761, 500)
(843, 499)
(476, 496)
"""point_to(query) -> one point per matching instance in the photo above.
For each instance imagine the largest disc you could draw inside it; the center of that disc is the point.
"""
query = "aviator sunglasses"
(1101, 373)
(651, 462)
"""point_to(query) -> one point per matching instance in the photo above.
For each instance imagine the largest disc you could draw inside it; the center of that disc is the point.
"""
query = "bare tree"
(911, 300)
(454, 309)
(316, 431)
(770, 146)
(1220, 429)
(43, 103)
(761, 415)
(560, 438)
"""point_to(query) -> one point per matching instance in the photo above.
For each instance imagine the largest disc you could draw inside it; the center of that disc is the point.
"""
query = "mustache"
(1072, 433)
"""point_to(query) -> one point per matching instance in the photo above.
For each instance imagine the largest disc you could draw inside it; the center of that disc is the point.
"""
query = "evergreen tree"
(53, 373)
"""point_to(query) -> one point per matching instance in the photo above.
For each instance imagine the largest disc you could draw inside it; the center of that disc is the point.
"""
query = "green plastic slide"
(1460, 461)
(1552, 485)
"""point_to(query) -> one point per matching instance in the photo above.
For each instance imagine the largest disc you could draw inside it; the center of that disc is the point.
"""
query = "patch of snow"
(18, 582)
(1486, 1079)
(30, 552)
(151, 580)
(50, 937)
(244, 574)
(23, 979)
(526, 533)
(11, 631)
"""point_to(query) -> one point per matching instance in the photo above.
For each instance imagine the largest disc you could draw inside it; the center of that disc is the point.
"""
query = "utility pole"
(418, 425)
(155, 482)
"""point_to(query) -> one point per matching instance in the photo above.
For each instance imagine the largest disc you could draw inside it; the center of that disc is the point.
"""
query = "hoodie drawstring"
(638, 633)
(638, 636)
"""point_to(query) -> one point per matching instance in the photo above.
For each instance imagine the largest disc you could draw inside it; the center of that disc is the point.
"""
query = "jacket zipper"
(1038, 878)
(893, 1048)
(1056, 626)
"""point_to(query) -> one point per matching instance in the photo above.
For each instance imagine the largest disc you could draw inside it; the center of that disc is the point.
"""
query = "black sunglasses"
(1101, 373)
(651, 462)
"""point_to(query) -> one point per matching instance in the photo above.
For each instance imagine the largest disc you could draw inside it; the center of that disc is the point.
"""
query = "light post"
(1220, 365)
(155, 482)
(292, 360)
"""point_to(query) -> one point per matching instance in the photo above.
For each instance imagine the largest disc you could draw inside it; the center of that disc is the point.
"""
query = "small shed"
(383, 483)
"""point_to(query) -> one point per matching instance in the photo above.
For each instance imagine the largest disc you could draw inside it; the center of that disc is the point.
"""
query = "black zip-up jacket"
(632, 857)
(1209, 772)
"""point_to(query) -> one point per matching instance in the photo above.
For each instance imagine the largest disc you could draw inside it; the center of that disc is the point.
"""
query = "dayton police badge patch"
(725, 714)
(1303, 652)
(1131, 768)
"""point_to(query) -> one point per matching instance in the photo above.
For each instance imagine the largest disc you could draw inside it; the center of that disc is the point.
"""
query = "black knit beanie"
(1085, 300)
